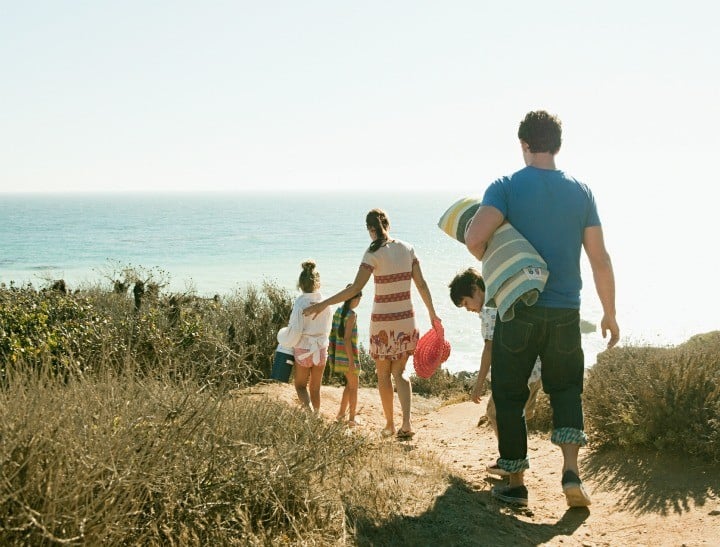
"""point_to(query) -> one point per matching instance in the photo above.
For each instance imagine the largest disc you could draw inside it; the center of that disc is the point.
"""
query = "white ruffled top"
(305, 332)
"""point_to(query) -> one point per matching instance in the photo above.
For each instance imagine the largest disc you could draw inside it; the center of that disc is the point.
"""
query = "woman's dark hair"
(309, 279)
(344, 312)
(462, 285)
(378, 220)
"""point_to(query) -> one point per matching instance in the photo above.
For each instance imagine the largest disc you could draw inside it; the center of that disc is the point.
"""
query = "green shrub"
(231, 340)
(667, 398)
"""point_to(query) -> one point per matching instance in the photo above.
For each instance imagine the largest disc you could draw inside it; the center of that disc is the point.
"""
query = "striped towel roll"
(512, 268)
(455, 220)
(513, 271)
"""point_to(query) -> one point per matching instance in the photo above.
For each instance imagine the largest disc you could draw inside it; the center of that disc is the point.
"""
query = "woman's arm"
(361, 279)
(424, 291)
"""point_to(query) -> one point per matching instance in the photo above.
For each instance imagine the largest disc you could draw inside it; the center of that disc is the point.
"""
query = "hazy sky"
(316, 95)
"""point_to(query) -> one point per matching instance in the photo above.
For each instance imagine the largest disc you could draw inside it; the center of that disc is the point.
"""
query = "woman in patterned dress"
(393, 330)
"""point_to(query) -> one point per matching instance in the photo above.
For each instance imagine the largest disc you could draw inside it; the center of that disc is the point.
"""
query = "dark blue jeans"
(554, 335)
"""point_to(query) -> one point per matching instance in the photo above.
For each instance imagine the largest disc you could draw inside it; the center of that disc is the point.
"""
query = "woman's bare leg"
(404, 390)
(385, 387)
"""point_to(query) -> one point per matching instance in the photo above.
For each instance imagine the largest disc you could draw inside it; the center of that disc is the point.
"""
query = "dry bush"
(125, 459)
(667, 398)
(118, 460)
(541, 418)
(444, 384)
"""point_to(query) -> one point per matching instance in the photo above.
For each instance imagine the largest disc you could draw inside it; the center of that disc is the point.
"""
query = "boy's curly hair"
(541, 131)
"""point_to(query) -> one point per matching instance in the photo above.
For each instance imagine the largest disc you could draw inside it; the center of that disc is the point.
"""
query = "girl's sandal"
(387, 433)
(402, 434)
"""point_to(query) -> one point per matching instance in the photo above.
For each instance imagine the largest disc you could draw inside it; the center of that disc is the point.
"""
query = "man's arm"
(482, 227)
(604, 278)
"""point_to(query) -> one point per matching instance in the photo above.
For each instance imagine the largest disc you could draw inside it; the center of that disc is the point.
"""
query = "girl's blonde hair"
(309, 280)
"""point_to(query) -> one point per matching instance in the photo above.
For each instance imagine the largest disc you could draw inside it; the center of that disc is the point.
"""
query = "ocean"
(219, 243)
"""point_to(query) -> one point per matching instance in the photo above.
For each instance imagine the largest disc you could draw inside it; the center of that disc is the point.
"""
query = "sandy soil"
(637, 498)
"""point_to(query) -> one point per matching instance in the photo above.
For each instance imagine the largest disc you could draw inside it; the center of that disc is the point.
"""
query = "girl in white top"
(308, 336)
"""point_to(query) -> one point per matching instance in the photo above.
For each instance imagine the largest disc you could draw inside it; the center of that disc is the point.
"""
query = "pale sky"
(317, 95)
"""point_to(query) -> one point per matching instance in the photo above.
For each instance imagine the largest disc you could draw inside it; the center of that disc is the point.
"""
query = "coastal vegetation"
(130, 417)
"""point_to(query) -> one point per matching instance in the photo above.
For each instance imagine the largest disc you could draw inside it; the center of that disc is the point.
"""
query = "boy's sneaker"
(495, 469)
(514, 495)
(574, 490)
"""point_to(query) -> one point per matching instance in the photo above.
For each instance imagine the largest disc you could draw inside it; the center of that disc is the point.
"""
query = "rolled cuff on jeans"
(514, 466)
(568, 435)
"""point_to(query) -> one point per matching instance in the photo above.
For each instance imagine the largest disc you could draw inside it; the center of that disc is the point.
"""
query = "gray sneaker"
(575, 492)
(514, 495)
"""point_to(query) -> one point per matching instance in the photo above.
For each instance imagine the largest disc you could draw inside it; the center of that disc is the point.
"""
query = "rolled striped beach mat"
(455, 220)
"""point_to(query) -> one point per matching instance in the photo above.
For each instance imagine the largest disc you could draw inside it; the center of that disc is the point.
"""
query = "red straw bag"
(432, 351)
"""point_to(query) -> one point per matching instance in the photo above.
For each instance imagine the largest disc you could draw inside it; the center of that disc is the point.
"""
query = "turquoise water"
(219, 243)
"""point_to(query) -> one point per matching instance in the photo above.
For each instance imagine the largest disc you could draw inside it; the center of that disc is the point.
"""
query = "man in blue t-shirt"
(558, 216)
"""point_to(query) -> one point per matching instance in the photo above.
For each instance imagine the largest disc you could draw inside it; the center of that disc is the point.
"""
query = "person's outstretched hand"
(314, 309)
(609, 324)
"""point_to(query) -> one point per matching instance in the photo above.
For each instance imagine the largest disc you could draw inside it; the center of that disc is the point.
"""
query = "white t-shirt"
(487, 318)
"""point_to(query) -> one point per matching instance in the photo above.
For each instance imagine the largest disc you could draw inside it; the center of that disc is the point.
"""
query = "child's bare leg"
(344, 402)
(352, 391)
(316, 375)
(302, 375)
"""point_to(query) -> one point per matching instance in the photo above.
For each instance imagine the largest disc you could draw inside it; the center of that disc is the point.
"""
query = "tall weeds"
(120, 459)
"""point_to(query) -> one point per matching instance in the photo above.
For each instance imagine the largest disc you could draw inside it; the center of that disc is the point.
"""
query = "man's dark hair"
(541, 131)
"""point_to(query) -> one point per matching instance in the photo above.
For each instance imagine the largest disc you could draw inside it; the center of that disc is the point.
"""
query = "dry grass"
(666, 398)
(118, 459)
(124, 426)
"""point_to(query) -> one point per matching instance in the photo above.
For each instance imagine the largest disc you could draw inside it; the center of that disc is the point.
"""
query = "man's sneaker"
(574, 490)
(514, 495)
(494, 469)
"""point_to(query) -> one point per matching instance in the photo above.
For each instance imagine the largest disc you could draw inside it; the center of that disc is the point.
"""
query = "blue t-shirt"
(551, 210)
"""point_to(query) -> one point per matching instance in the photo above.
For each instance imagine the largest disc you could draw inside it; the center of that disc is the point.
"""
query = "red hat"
(432, 351)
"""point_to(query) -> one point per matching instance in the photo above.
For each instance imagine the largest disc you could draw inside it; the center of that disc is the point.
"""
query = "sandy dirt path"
(638, 498)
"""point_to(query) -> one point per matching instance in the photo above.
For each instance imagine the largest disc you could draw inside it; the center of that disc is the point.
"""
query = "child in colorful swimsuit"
(467, 290)
(308, 337)
(343, 355)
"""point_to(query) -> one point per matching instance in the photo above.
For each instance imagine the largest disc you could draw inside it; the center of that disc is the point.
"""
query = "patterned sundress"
(393, 332)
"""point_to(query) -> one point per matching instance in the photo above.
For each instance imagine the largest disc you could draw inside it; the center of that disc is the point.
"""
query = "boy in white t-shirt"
(467, 290)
